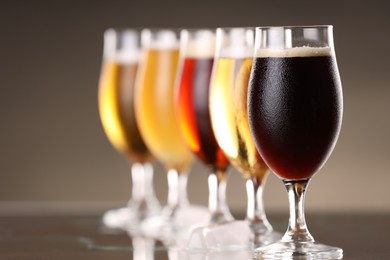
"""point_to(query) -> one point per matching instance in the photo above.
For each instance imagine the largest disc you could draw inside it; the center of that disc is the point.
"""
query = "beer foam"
(202, 46)
(237, 52)
(238, 43)
(126, 56)
(163, 39)
(121, 46)
(304, 51)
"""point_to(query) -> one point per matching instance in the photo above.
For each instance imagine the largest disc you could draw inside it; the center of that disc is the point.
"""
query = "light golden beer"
(228, 108)
(116, 108)
(155, 108)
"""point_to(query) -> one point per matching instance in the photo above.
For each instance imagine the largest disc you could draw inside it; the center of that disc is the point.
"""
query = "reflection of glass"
(143, 248)
(295, 110)
(229, 115)
(197, 55)
(155, 113)
(116, 108)
(218, 255)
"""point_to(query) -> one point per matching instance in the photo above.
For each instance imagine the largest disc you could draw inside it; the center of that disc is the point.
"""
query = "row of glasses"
(285, 118)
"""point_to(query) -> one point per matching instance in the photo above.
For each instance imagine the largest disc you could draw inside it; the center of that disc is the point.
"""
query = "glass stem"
(142, 181)
(297, 230)
(143, 196)
(217, 198)
(177, 190)
(255, 213)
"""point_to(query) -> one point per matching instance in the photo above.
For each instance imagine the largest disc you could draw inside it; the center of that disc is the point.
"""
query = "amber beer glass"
(116, 108)
(155, 113)
(197, 58)
(295, 108)
(229, 117)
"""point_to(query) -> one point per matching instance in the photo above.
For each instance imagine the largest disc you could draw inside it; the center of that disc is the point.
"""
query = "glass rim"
(123, 29)
(326, 26)
(194, 29)
(237, 27)
(161, 29)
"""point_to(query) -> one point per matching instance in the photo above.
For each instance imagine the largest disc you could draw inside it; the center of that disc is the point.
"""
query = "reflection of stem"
(297, 230)
(217, 198)
(143, 248)
(255, 213)
(173, 254)
(177, 190)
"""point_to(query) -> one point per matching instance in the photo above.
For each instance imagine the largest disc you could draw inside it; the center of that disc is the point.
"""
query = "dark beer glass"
(295, 108)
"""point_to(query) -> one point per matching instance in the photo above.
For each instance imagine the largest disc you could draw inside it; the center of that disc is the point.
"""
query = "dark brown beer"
(295, 112)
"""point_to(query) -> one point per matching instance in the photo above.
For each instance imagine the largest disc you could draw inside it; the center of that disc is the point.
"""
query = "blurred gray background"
(54, 155)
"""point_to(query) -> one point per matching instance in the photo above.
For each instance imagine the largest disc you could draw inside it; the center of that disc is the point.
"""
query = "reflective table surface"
(362, 236)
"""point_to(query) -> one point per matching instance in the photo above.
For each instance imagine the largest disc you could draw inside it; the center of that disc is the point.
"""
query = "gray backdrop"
(52, 147)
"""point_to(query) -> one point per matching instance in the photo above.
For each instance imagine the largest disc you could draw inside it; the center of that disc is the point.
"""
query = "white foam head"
(238, 52)
(236, 43)
(127, 56)
(303, 51)
(122, 46)
(200, 44)
(160, 39)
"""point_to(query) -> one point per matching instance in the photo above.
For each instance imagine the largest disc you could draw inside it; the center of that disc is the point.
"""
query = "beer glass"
(229, 117)
(295, 108)
(116, 108)
(197, 58)
(155, 113)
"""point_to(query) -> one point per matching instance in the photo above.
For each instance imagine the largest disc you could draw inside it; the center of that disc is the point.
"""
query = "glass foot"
(129, 218)
(298, 250)
(174, 228)
(234, 235)
(117, 218)
(217, 255)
